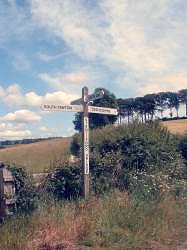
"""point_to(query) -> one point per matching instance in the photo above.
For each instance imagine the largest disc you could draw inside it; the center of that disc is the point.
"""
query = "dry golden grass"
(111, 222)
(177, 126)
(37, 157)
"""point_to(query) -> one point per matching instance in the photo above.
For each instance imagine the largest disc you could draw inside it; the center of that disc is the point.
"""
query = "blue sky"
(50, 49)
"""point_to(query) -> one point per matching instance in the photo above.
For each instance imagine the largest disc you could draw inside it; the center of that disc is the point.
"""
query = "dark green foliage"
(142, 158)
(126, 107)
(98, 120)
(147, 105)
(183, 146)
(65, 182)
(25, 191)
(183, 97)
(75, 145)
(139, 158)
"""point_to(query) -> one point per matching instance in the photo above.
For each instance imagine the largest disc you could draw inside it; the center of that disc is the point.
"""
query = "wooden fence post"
(7, 192)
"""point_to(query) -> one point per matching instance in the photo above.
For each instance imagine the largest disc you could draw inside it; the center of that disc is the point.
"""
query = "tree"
(98, 120)
(139, 107)
(126, 107)
(149, 105)
(183, 97)
(173, 102)
(161, 102)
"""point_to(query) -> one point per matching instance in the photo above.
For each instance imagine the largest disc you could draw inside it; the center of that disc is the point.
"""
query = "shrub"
(24, 189)
(140, 158)
(183, 146)
(65, 182)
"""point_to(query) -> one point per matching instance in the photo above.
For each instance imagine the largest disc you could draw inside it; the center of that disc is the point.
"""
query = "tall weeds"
(114, 221)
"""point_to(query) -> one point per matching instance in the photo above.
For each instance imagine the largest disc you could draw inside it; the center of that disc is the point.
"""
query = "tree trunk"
(171, 113)
(177, 112)
(161, 113)
(145, 118)
(120, 119)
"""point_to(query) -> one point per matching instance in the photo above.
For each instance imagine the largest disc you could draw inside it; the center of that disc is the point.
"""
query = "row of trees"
(149, 105)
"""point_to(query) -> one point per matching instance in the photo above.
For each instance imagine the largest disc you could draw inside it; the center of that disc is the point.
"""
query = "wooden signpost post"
(82, 105)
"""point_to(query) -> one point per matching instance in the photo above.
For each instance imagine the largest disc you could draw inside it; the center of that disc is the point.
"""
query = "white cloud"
(14, 96)
(59, 97)
(10, 130)
(59, 80)
(44, 129)
(31, 99)
(143, 39)
(44, 56)
(15, 134)
(69, 21)
(21, 116)
(15, 22)
(172, 82)
(145, 36)
(11, 126)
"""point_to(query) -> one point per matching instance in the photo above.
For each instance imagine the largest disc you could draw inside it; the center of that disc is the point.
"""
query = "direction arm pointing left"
(59, 107)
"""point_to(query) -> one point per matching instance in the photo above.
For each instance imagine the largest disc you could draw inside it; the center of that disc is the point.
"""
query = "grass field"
(177, 126)
(37, 157)
(111, 222)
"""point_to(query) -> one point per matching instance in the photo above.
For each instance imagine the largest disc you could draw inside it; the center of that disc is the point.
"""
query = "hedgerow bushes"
(140, 158)
(183, 146)
(65, 182)
(25, 192)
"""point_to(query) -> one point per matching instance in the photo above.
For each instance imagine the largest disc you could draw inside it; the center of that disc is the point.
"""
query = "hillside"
(176, 126)
(37, 157)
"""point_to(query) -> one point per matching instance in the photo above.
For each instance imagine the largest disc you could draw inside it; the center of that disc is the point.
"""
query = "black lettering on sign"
(86, 164)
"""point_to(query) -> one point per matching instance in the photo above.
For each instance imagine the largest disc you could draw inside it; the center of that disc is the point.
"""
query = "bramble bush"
(65, 182)
(141, 158)
(25, 192)
(137, 157)
(183, 146)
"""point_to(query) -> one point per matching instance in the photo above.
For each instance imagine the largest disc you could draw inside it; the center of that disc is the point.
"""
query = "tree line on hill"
(151, 104)
(148, 107)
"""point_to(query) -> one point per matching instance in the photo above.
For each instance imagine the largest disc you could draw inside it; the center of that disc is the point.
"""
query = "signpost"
(82, 105)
